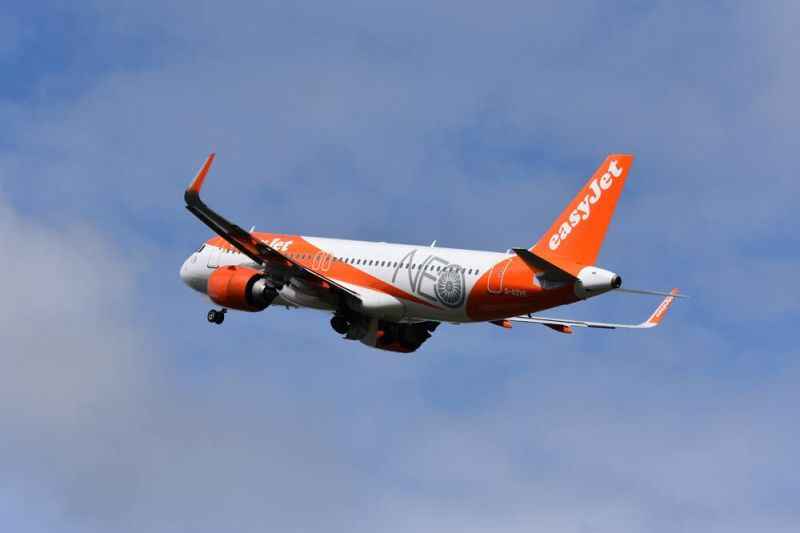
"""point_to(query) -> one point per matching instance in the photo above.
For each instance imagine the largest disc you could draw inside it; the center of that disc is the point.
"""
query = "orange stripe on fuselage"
(518, 294)
(345, 272)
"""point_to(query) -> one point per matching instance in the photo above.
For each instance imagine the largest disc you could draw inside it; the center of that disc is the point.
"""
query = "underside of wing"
(247, 243)
(566, 325)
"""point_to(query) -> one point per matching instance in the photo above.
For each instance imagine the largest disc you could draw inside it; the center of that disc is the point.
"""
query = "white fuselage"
(439, 279)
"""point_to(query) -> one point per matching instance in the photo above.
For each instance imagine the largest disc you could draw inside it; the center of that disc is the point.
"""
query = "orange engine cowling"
(241, 288)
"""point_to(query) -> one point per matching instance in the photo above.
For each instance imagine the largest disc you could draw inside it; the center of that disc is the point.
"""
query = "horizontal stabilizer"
(650, 293)
(551, 271)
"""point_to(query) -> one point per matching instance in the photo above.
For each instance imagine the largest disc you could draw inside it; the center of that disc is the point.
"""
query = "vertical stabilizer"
(577, 234)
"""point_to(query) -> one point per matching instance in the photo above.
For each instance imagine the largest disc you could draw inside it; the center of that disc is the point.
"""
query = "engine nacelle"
(593, 281)
(241, 288)
(396, 336)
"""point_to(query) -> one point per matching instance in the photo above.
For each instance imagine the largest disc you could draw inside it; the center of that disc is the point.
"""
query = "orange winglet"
(197, 183)
(656, 317)
(501, 323)
(561, 328)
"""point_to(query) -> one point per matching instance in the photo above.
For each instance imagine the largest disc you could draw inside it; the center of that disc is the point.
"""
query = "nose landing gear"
(216, 317)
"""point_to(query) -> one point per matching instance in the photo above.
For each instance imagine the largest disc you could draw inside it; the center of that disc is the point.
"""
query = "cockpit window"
(201, 249)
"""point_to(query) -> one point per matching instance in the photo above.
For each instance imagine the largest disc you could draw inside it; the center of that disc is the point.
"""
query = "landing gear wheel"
(340, 324)
(216, 317)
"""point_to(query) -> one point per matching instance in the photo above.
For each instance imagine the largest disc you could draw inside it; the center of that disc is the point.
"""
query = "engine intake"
(241, 288)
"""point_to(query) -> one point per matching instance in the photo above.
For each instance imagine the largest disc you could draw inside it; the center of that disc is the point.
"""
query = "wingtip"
(661, 310)
(197, 183)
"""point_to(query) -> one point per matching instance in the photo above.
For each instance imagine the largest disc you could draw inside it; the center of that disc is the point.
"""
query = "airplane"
(393, 296)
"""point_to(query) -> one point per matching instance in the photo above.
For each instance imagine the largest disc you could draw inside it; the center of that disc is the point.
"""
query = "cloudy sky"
(472, 123)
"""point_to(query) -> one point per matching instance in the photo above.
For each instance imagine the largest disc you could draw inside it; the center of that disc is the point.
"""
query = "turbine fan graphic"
(450, 286)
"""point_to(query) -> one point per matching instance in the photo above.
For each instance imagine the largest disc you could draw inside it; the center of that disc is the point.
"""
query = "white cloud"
(121, 410)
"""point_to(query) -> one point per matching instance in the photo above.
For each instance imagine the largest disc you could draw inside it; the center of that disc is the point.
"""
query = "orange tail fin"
(578, 233)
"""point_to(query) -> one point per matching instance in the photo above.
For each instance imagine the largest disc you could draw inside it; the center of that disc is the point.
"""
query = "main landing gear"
(340, 324)
(216, 317)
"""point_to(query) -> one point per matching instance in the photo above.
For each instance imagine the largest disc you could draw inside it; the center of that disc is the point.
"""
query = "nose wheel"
(216, 317)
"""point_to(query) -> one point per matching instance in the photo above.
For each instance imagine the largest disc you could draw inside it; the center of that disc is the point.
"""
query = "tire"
(340, 324)
(212, 316)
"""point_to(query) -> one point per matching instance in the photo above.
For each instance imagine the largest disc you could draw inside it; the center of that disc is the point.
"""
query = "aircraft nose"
(186, 272)
(192, 276)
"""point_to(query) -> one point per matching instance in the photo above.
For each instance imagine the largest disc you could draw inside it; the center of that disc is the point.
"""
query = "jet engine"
(241, 288)
(396, 336)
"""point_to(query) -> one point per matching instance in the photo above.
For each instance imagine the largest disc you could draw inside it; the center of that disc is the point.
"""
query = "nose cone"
(190, 276)
(185, 275)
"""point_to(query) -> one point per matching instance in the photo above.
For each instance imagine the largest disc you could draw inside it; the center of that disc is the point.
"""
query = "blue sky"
(471, 123)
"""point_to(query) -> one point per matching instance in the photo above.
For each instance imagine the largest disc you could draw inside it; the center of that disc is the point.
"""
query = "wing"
(244, 241)
(565, 326)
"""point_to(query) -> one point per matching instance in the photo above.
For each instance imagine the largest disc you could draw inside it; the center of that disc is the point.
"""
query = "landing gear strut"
(216, 317)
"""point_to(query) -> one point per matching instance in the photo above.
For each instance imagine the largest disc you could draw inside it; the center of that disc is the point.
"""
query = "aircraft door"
(494, 285)
(213, 256)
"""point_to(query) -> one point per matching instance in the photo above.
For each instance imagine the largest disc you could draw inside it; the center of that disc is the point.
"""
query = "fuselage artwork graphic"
(436, 279)
(393, 296)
